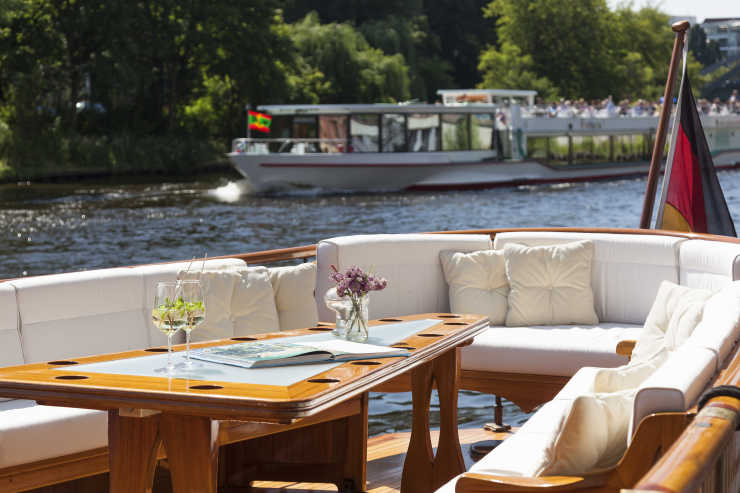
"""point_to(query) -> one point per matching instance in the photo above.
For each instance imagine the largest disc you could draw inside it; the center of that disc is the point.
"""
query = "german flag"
(692, 198)
(259, 121)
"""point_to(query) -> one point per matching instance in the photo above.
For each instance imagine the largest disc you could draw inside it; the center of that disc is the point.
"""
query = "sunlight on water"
(232, 191)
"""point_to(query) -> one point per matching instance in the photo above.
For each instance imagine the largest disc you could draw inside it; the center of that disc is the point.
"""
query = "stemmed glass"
(195, 311)
(168, 314)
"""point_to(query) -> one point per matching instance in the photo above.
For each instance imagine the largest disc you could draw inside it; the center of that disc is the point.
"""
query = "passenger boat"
(475, 139)
(46, 318)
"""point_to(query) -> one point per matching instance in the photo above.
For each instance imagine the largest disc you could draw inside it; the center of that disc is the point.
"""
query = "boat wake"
(232, 191)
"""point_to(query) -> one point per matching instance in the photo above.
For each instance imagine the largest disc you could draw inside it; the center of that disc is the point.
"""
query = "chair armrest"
(471, 482)
(625, 348)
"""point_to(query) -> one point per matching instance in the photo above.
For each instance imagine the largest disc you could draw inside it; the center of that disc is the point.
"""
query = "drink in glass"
(168, 314)
(195, 311)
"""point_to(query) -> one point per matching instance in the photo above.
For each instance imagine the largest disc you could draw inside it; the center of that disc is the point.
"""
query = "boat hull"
(422, 171)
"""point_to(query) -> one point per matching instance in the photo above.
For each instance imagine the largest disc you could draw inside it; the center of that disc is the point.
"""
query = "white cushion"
(155, 273)
(550, 284)
(676, 385)
(708, 264)
(548, 350)
(30, 433)
(676, 311)
(253, 304)
(218, 288)
(81, 314)
(719, 328)
(10, 339)
(627, 269)
(410, 263)
(477, 283)
(293, 287)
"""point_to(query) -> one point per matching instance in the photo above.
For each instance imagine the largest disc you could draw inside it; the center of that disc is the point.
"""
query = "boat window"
(394, 134)
(482, 126)
(333, 133)
(563, 149)
(455, 135)
(422, 132)
(363, 131)
(279, 129)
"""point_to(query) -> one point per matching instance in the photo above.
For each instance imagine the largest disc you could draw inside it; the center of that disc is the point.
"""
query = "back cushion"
(152, 274)
(293, 287)
(708, 264)
(410, 263)
(81, 314)
(627, 269)
(10, 340)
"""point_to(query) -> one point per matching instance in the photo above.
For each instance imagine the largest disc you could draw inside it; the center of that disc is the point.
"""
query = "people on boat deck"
(607, 108)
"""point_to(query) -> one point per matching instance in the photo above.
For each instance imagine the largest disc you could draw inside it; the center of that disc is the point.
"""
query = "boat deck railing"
(250, 145)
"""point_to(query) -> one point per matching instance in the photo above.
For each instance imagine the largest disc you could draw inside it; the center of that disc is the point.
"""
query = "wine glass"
(168, 314)
(195, 311)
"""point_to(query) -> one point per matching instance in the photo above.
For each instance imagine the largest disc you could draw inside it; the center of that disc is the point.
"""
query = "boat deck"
(385, 455)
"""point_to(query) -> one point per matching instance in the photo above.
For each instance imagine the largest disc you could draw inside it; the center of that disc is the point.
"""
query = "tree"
(508, 68)
(569, 41)
(353, 70)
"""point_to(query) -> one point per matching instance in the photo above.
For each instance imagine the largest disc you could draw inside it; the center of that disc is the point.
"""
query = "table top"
(281, 393)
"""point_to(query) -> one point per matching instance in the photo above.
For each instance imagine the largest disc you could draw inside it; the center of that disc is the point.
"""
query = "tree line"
(162, 84)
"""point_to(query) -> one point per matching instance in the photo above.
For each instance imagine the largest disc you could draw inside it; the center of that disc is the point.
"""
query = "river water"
(47, 228)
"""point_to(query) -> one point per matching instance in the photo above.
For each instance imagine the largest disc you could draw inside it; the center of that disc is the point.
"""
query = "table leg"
(132, 452)
(422, 471)
(192, 452)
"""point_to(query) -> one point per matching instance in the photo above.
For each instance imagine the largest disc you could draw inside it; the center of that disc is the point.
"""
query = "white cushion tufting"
(550, 284)
(410, 263)
(31, 432)
(477, 283)
(294, 295)
(547, 350)
(253, 304)
(627, 269)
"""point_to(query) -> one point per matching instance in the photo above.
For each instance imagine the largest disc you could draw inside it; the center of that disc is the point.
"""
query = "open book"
(259, 354)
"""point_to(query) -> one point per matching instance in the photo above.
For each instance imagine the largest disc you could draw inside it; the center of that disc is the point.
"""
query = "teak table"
(188, 419)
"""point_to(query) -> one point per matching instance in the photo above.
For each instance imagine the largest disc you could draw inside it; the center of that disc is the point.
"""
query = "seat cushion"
(708, 264)
(81, 314)
(719, 328)
(10, 339)
(253, 304)
(550, 285)
(676, 385)
(627, 269)
(676, 311)
(152, 274)
(293, 287)
(477, 283)
(30, 433)
(218, 289)
(548, 350)
(410, 263)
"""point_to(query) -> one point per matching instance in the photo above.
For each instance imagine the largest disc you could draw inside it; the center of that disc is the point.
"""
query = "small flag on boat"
(692, 198)
(259, 121)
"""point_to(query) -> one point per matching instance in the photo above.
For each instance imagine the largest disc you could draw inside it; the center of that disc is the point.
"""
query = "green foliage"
(507, 68)
(354, 70)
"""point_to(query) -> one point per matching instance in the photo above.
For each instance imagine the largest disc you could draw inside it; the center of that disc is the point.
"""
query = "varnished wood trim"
(523, 389)
(625, 348)
(51, 471)
(481, 483)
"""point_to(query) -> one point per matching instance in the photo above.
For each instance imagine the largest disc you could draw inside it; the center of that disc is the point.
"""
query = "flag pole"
(680, 28)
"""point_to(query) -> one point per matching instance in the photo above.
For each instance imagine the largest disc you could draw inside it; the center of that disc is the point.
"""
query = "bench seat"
(31, 432)
(548, 350)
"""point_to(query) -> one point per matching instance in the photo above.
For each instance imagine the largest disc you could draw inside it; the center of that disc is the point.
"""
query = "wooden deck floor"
(385, 455)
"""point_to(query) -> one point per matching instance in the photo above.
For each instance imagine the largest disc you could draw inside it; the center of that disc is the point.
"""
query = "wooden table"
(191, 419)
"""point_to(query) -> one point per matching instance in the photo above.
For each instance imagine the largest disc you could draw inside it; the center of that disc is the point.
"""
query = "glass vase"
(355, 322)
(340, 305)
